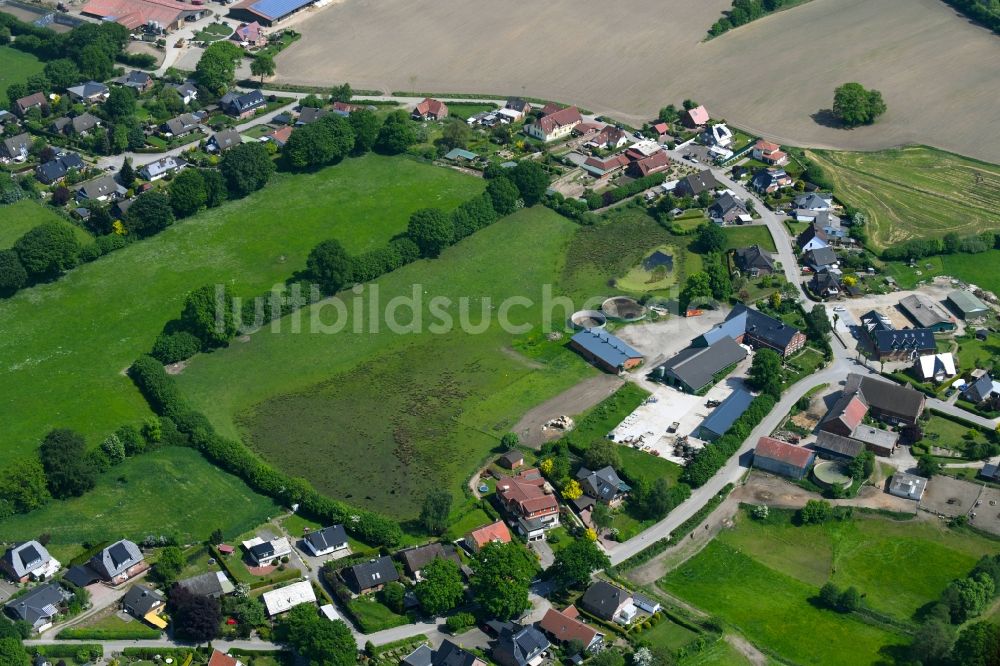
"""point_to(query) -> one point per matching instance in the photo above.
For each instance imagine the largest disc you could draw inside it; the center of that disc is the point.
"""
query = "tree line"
(744, 11)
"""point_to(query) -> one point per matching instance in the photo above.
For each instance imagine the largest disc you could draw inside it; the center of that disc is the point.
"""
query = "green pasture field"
(15, 67)
(966, 267)
(915, 192)
(747, 235)
(668, 635)
(773, 609)
(641, 279)
(719, 653)
(609, 250)
(68, 343)
(19, 218)
(379, 418)
(865, 552)
(169, 491)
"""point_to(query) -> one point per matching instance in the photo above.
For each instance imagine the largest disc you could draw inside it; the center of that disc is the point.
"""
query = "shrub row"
(710, 459)
(161, 391)
(682, 531)
(136, 633)
(638, 185)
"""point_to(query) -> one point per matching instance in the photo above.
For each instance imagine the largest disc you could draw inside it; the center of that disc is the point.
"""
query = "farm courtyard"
(774, 76)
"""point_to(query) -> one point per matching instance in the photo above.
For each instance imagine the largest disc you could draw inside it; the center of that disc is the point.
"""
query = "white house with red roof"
(696, 117)
(555, 125)
(769, 153)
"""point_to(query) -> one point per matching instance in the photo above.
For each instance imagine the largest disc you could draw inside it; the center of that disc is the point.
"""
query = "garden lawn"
(915, 192)
(17, 219)
(719, 653)
(380, 418)
(947, 434)
(773, 609)
(465, 111)
(66, 344)
(747, 235)
(973, 353)
(372, 616)
(15, 67)
(668, 635)
(172, 491)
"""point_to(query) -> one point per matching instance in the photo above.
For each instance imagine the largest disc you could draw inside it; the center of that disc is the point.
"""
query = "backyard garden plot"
(54, 374)
(173, 491)
(378, 419)
(15, 67)
(17, 219)
(915, 192)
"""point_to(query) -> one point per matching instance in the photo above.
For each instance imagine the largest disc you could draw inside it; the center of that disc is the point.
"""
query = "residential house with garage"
(826, 284)
(249, 35)
(80, 125)
(520, 646)
(187, 90)
(448, 654)
(371, 576)
(139, 81)
(288, 597)
(519, 106)
(415, 559)
(91, 92)
(653, 164)
(28, 560)
(478, 538)
(565, 626)
(183, 124)
(309, 115)
(36, 100)
(119, 562)
(935, 367)
(695, 184)
(244, 105)
(264, 553)
(558, 124)
(769, 153)
(778, 457)
(531, 503)
(768, 181)
(695, 118)
(430, 109)
(806, 206)
(222, 141)
(608, 138)
(753, 261)
(161, 167)
(329, 540)
(609, 603)
(213, 584)
(16, 148)
(39, 607)
(605, 350)
(812, 238)
(603, 485)
(144, 603)
(983, 391)
(727, 209)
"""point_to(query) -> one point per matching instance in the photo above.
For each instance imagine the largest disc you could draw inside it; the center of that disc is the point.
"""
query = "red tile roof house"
(529, 500)
(647, 166)
(609, 138)
(33, 101)
(696, 117)
(563, 626)
(660, 131)
(430, 109)
(554, 125)
(782, 458)
(495, 532)
(769, 153)
(279, 135)
(249, 35)
(603, 168)
(166, 15)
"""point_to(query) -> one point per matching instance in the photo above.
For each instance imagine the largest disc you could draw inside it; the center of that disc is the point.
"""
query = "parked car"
(713, 403)
(674, 426)
(840, 308)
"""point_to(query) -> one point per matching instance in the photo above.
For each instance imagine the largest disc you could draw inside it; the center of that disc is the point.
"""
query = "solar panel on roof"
(277, 8)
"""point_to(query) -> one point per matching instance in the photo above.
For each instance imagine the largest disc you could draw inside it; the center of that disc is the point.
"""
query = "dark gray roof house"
(753, 261)
(55, 170)
(136, 79)
(448, 654)
(91, 91)
(825, 283)
(372, 575)
(99, 189)
(697, 183)
(183, 124)
(16, 147)
(326, 540)
(416, 558)
(224, 140)
(212, 584)
(310, 115)
(886, 400)
(604, 484)
(519, 646)
(80, 124)
(24, 559)
(39, 606)
(604, 599)
(116, 559)
(726, 208)
(140, 599)
(694, 368)
(820, 258)
(239, 105)
(979, 390)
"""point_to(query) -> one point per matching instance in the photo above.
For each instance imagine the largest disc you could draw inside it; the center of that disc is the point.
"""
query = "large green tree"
(262, 65)
(504, 195)
(853, 105)
(435, 510)
(208, 314)
(431, 230)
(396, 134)
(62, 73)
(366, 126)
(68, 469)
(317, 640)
(531, 181)
(502, 575)
(120, 103)
(47, 250)
(12, 652)
(217, 66)
(697, 289)
(711, 238)
(247, 168)
(12, 273)
(23, 487)
(187, 192)
(149, 214)
(169, 564)
(440, 588)
(330, 266)
(195, 617)
(765, 372)
(978, 645)
(576, 562)
(326, 141)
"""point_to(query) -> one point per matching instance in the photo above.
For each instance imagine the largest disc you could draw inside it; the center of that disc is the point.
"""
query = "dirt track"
(578, 399)
(770, 76)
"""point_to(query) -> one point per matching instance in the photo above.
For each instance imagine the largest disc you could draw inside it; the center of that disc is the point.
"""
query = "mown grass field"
(169, 491)
(19, 218)
(773, 609)
(966, 267)
(761, 577)
(916, 191)
(66, 344)
(15, 67)
(379, 419)
(745, 236)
